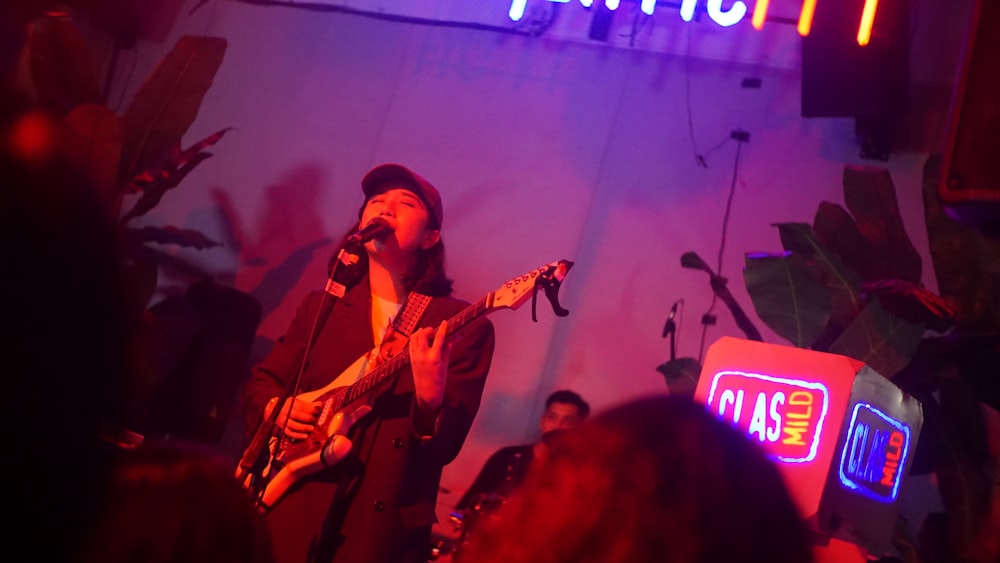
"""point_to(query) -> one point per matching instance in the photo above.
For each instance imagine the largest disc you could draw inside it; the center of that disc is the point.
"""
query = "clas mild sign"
(787, 414)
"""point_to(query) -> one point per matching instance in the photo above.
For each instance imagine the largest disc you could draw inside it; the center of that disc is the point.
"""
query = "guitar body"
(288, 461)
(327, 445)
(330, 422)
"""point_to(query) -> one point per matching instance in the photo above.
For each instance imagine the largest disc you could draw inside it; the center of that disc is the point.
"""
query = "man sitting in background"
(506, 468)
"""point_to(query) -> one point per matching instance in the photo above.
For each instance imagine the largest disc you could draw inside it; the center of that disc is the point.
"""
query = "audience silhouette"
(655, 479)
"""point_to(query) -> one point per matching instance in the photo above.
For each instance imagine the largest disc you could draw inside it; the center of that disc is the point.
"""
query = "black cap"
(387, 176)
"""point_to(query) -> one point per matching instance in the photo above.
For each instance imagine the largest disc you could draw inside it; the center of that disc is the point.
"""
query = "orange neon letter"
(806, 17)
(867, 20)
(759, 13)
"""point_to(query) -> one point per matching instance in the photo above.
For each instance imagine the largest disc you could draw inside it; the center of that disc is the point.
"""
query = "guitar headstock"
(517, 291)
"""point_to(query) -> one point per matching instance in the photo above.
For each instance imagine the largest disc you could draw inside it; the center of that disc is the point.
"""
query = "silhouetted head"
(656, 479)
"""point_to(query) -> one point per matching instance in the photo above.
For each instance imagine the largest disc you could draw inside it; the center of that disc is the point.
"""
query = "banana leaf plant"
(138, 154)
(137, 157)
(851, 283)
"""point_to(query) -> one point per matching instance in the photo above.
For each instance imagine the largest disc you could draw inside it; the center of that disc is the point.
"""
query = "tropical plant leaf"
(157, 184)
(966, 263)
(845, 286)
(904, 542)
(913, 303)
(94, 145)
(883, 341)
(953, 440)
(140, 276)
(681, 375)
(974, 356)
(690, 259)
(787, 296)
(178, 158)
(168, 102)
(187, 238)
(870, 196)
(175, 160)
(961, 407)
(62, 72)
(836, 230)
(964, 486)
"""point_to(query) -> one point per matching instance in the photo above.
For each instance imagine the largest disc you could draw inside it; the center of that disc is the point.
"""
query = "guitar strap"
(401, 328)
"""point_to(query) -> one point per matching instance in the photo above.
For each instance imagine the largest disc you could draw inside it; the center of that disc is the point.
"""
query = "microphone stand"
(254, 461)
(673, 342)
(670, 327)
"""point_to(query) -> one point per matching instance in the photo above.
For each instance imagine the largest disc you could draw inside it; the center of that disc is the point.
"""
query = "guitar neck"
(392, 366)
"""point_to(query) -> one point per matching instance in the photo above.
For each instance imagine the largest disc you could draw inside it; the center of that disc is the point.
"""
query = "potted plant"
(137, 156)
(850, 283)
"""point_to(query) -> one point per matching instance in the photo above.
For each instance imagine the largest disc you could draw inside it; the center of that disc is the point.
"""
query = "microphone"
(670, 327)
(376, 228)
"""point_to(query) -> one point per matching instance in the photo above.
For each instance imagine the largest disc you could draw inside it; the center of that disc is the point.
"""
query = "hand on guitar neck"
(430, 352)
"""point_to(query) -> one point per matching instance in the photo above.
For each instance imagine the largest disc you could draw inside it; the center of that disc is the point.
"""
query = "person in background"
(657, 479)
(368, 493)
(505, 469)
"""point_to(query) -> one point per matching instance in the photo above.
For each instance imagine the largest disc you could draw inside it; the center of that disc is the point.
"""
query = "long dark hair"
(426, 273)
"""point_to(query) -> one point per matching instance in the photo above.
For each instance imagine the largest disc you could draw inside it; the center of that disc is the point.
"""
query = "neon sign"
(727, 17)
(785, 415)
(876, 448)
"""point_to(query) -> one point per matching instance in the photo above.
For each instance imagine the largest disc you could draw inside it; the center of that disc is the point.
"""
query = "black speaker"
(970, 164)
(841, 78)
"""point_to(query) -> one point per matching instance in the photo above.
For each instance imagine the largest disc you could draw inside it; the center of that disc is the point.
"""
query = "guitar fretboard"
(346, 396)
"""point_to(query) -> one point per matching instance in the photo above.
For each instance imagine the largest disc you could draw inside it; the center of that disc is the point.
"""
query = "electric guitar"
(287, 460)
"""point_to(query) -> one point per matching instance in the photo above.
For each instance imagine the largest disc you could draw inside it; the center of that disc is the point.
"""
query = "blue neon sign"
(874, 453)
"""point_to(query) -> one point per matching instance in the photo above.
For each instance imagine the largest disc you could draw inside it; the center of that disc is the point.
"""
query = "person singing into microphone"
(374, 500)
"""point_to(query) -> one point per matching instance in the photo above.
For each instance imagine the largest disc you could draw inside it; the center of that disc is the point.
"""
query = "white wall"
(543, 149)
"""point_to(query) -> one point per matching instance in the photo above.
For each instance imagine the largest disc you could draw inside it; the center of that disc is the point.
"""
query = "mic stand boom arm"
(254, 461)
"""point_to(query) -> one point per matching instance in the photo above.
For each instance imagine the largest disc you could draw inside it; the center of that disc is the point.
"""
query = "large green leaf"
(974, 357)
(844, 285)
(788, 296)
(884, 342)
(870, 196)
(94, 144)
(175, 166)
(159, 184)
(63, 74)
(966, 263)
(904, 542)
(962, 482)
(836, 229)
(913, 302)
(168, 102)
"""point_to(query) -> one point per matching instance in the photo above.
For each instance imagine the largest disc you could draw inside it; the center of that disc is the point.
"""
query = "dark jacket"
(377, 505)
(500, 476)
